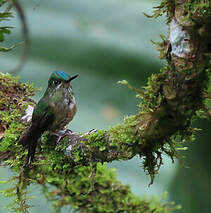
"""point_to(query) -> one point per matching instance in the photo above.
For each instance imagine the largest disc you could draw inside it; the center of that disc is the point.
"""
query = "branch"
(170, 102)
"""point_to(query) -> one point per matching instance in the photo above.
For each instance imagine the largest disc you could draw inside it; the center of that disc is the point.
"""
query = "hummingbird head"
(60, 78)
(59, 88)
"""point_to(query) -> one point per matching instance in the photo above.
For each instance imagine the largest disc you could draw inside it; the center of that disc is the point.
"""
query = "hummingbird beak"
(71, 78)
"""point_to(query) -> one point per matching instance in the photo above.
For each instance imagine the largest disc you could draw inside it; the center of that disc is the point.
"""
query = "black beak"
(70, 79)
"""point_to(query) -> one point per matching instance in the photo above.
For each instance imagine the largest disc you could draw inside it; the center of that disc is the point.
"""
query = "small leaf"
(6, 49)
(123, 82)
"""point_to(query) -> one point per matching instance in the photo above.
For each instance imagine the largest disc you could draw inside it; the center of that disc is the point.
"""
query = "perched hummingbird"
(53, 112)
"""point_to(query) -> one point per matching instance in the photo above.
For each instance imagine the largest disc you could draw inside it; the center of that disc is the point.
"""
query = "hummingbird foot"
(61, 134)
(76, 140)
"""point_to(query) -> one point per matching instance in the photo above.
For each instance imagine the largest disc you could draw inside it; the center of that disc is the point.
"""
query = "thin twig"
(25, 32)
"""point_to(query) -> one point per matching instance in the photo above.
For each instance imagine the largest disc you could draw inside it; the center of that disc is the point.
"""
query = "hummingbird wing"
(41, 119)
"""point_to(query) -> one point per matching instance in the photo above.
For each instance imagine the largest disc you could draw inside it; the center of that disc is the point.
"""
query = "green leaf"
(6, 49)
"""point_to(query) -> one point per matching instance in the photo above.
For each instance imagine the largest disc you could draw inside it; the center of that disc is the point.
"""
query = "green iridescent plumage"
(53, 112)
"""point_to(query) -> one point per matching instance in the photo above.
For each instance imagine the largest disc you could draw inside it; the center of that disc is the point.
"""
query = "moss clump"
(108, 195)
(188, 13)
(97, 140)
(191, 13)
(165, 7)
(14, 98)
(124, 137)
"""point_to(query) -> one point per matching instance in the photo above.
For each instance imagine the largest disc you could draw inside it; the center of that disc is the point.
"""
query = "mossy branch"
(169, 103)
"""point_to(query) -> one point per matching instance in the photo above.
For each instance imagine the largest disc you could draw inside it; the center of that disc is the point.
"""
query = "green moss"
(5, 14)
(188, 13)
(97, 140)
(108, 194)
(124, 134)
(13, 98)
(195, 12)
(165, 7)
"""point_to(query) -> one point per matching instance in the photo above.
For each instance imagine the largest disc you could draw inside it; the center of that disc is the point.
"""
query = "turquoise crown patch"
(60, 75)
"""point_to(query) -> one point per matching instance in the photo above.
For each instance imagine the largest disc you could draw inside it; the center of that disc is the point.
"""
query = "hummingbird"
(53, 112)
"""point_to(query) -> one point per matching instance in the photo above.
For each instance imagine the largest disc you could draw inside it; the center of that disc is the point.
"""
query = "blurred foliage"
(6, 14)
(191, 185)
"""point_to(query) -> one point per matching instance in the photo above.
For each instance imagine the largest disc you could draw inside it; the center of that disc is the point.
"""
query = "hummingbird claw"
(61, 134)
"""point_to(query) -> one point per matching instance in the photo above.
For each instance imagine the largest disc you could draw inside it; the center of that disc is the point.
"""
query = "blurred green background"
(105, 41)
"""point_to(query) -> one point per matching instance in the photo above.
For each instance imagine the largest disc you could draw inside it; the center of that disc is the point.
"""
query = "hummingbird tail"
(30, 139)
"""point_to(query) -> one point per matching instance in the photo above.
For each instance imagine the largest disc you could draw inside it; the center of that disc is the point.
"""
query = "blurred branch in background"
(170, 102)
(7, 14)
(25, 32)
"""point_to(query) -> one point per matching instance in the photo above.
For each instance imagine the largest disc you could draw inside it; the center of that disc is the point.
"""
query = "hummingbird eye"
(56, 82)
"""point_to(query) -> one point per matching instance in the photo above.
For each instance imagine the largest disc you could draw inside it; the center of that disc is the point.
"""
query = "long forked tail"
(30, 139)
